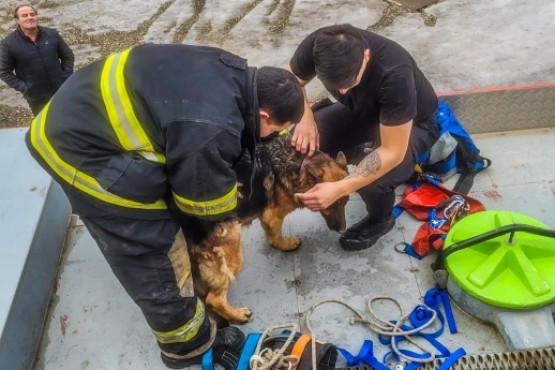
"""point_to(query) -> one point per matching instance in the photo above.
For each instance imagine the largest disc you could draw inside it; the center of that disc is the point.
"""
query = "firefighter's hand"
(321, 196)
(239, 194)
(305, 137)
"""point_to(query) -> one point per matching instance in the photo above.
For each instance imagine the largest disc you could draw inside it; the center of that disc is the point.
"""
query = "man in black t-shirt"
(383, 120)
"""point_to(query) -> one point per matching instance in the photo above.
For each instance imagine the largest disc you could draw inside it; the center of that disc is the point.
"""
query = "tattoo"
(370, 165)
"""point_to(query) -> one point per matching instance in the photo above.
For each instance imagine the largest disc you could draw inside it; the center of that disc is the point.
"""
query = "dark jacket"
(38, 69)
(199, 109)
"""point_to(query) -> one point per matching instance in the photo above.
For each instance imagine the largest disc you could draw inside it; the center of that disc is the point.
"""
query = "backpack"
(454, 152)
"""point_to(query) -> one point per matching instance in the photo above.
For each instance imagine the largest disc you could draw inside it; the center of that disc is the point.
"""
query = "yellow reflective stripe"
(217, 206)
(70, 174)
(127, 127)
(185, 332)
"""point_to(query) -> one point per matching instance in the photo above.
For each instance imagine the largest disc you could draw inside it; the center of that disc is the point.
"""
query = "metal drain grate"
(534, 359)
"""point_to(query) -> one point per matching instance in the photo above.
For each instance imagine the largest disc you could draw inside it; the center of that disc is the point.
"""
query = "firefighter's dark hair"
(21, 6)
(338, 53)
(280, 94)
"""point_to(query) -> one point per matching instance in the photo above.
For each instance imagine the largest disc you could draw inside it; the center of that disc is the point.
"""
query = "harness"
(439, 207)
(284, 347)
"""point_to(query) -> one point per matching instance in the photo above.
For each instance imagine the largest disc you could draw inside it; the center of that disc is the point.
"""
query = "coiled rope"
(267, 358)
(378, 325)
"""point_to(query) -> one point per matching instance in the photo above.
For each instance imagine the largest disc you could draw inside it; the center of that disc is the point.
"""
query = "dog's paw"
(242, 315)
(287, 244)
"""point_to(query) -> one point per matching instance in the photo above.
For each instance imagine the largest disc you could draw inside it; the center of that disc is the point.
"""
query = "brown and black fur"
(217, 256)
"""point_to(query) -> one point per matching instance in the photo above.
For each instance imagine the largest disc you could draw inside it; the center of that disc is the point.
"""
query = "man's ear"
(367, 55)
(266, 125)
(264, 113)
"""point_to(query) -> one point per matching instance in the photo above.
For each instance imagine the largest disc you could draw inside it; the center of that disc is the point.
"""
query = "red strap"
(418, 202)
(426, 238)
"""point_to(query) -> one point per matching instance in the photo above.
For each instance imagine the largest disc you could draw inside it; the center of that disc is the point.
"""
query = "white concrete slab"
(94, 325)
(34, 216)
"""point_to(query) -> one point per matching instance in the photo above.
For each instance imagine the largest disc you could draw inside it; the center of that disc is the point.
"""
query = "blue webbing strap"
(207, 363)
(452, 359)
(397, 210)
(366, 355)
(409, 249)
(433, 298)
(418, 317)
(248, 350)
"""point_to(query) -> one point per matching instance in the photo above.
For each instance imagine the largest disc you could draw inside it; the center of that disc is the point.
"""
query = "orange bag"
(440, 207)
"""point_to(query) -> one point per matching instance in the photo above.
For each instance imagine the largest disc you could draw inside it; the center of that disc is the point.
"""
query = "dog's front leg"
(221, 263)
(272, 223)
(217, 302)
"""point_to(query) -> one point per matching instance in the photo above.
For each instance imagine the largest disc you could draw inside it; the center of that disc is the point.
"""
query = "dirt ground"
(458, 44)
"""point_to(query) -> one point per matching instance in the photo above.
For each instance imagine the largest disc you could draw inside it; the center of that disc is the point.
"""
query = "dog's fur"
(217, 258)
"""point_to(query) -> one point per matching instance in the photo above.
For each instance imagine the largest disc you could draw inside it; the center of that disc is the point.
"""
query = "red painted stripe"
(497, 89)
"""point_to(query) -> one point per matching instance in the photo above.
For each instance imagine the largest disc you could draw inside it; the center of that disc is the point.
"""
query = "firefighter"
(147, 138)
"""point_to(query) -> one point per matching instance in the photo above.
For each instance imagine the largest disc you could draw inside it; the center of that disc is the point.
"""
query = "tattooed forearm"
(368, 166)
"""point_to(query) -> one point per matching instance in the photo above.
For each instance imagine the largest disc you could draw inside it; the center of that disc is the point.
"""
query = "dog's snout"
(336, 222)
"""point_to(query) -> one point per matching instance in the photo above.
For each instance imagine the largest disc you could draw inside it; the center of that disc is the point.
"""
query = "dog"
(217, 256)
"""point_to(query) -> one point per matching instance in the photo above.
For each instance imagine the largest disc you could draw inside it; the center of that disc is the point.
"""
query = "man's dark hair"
(338, 54)
(21, 6)
(280, 93)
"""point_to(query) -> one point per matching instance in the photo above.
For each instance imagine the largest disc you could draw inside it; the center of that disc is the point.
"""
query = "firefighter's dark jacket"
(36, 69)
(197, 107)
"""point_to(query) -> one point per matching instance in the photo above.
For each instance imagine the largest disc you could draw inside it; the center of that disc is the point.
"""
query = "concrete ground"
(93, 324)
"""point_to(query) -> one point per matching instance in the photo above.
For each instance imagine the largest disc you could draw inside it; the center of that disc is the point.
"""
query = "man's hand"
(305, 138)
(321, 196)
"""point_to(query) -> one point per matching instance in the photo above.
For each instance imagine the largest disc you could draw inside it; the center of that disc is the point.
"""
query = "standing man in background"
(34, 60)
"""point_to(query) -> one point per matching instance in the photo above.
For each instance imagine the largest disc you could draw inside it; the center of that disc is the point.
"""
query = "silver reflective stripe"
(70, 174)
(185, 332)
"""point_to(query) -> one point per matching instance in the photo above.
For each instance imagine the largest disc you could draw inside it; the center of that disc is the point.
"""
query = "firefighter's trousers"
(150, 259)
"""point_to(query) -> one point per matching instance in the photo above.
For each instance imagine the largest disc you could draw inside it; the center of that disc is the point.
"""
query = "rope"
(276, 359)
(378, 325)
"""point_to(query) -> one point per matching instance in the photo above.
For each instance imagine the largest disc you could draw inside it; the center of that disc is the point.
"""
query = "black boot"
(365, 234)
(226, 351)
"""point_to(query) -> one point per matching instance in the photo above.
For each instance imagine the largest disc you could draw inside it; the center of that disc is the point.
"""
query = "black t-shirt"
(392, 90)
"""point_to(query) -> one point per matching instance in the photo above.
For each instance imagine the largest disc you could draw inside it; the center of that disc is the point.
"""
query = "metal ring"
(403, 244)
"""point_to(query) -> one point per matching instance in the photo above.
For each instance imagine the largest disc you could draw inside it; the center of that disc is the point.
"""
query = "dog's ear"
(315, 170)
(341, 159)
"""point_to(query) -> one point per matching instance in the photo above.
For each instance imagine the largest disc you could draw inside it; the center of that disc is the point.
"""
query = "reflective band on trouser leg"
(181, 263)
(125, 124)
(71, 175)
(202, 349)
(223, 204)
(186, 331)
